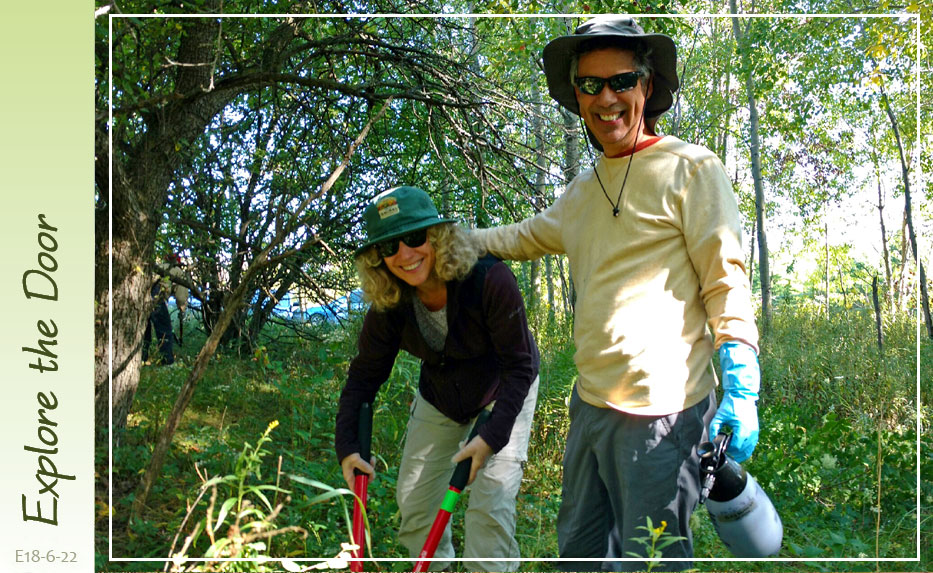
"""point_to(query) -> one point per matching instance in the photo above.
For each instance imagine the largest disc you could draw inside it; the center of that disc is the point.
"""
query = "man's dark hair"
(641, 51)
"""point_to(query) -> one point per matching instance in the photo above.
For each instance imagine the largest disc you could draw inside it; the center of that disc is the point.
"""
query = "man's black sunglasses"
(414, 239)
(618, 83)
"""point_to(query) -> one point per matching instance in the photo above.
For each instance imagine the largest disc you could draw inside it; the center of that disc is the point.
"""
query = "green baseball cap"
(396, 212)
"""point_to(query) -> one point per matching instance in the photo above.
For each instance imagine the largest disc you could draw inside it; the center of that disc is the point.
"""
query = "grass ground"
(838, 454)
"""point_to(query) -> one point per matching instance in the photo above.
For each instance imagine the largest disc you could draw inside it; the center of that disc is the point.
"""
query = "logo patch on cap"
(387, 207)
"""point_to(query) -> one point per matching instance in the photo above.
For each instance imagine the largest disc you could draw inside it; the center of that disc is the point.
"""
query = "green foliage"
(246, 515)
(839, 440)
(656, 540)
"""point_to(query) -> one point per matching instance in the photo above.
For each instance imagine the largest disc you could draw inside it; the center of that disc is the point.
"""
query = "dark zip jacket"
(489, 355)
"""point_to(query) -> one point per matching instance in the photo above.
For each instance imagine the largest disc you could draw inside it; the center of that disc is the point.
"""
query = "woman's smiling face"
(412, 264)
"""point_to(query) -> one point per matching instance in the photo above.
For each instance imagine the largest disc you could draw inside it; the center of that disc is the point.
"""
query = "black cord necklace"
(615, 206)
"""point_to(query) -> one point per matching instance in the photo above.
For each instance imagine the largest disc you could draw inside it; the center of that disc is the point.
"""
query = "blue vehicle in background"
(293, 308)
(334, 312)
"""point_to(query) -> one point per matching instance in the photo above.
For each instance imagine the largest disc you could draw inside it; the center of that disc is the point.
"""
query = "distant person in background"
(160, 321)
(463, 316)
(176, 270)
(653, 236)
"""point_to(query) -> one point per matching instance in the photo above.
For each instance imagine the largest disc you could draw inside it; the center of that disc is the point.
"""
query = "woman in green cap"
(435, 296)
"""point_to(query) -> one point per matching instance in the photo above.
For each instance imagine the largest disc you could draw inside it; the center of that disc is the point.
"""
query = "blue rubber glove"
(741, 379)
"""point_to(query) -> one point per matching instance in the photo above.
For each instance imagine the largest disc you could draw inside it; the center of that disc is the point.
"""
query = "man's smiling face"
(613, 117)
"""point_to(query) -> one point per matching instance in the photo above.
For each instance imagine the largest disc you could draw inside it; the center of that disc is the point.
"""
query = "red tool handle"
(457, 482)
(360, 486)
(359, 525)
(437, 530)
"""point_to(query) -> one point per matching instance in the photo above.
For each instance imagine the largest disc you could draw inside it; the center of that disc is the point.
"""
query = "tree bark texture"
(826, 264)
(549, 277)
(877, 304)
(763, 265)
(751, 256)
(140, 186)
(571, 169)
(885, 253)
(902, 272)
(905, 172)
(541, 200)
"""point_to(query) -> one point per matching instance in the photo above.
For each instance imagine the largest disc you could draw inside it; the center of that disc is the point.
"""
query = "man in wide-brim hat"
(653, 236)
(656, 59)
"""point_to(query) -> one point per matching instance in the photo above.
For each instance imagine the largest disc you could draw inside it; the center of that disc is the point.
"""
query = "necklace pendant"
(615, 211)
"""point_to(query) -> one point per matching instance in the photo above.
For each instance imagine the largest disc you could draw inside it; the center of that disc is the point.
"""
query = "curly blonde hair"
(455, 255)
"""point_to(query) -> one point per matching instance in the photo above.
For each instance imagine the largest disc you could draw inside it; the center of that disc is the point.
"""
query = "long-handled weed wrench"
(361, 484)
(457, 482)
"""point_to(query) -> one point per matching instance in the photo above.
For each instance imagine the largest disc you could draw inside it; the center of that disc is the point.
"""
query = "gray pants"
(621, 468)
(424, 474)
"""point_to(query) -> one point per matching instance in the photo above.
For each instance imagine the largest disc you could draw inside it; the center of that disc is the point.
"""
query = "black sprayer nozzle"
(712, 457)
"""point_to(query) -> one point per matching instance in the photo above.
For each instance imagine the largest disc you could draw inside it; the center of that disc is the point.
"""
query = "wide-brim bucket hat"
(396, 212)
(559, 53)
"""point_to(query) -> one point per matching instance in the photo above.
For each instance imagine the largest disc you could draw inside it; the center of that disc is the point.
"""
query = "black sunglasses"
(618, 83)
(414, 239)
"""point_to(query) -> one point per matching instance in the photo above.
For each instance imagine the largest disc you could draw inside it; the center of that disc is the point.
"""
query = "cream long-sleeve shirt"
(652, 282)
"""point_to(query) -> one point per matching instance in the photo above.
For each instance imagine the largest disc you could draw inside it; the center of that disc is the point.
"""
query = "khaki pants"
(424, 475)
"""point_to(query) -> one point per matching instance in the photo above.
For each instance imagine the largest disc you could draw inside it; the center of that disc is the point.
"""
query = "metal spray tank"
(741, 512)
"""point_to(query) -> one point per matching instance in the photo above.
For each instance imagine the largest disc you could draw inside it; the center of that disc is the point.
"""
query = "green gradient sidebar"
(47, 188)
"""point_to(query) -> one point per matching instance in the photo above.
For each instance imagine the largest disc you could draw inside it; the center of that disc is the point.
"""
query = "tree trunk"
(140, 188)
(213, 287)
(842, 288)
(905, 172)
(541, 196)
(885, 253)
(763, 265)
(902, 273)
(723, 143)
(532, 293)
(129, 322)
(877, 304)
(726, 88)
(564, 287)
(826, 264)
(549, 278)
(751, 257)
(727, 119)
(571, 169)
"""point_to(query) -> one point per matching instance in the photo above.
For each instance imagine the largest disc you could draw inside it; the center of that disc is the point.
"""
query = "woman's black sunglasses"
(618, 83)
(414, 239)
